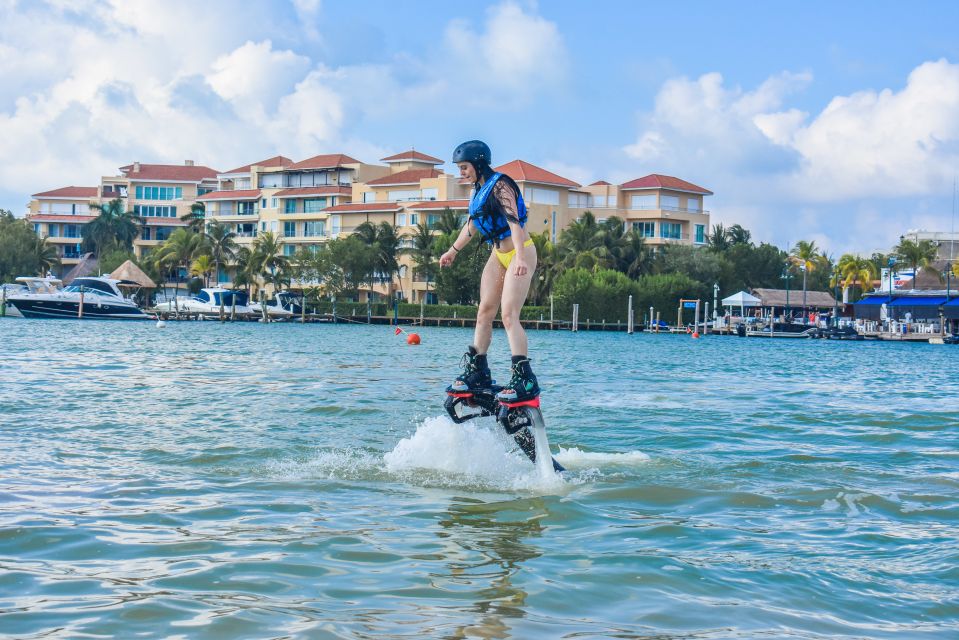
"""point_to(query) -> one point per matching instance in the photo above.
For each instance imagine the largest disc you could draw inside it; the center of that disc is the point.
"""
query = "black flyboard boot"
(523, 385)
(476, 374)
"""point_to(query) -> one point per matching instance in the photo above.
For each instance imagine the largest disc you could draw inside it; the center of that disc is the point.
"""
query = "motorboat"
(285, 304)
(208, 303)
(90, 297)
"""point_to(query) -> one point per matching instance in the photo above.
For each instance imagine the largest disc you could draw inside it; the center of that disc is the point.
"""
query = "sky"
(824, 121)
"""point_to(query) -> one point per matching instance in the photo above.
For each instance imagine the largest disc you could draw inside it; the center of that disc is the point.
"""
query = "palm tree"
(195, 217)
(423, 253)
(449, 222)
(268, 259)
(739, 235)
(45, 255)
(222, 243)
(202, 266)
(807, 257)
(918, 255)
(546, 268)
(179, 250)
(112, 226)
(581, 243)
(635, 258)
(720, 239)
(387, 251)
(853, 269)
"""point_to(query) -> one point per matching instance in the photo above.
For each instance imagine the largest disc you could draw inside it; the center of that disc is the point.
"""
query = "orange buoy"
(413, 338)
(695, 334)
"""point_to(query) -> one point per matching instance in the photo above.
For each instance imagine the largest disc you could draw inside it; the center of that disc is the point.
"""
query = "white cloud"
(516, 55)
(791, 173)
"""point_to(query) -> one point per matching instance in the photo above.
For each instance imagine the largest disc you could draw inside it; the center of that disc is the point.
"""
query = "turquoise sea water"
(225, 481)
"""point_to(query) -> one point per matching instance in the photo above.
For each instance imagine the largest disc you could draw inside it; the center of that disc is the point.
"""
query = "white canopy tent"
(742, 300)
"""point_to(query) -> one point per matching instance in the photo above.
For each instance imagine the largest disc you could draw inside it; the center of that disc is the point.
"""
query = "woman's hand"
(520, 268)
(447, 258)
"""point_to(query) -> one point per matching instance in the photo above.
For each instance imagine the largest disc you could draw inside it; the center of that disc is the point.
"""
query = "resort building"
(59, 216)
(308, 203)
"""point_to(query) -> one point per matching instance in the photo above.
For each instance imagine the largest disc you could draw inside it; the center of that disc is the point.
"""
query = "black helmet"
(475, 152)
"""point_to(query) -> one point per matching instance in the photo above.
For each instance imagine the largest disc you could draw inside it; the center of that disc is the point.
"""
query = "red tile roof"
(439, 204)
(327, 161)
(170, 172)
(240, 194)
(410, 176)
(522, 171)
(300, 192)
(69, 192)
(364, 207)
(50, 217)
(412, 155)
(275, 161)
(657, 181)
(600, 183)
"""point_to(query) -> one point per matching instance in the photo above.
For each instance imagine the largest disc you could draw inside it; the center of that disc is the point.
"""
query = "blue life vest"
(489, 220)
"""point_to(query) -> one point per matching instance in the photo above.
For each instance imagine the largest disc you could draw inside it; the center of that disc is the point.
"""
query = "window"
(601, 201)
(263, 204)
(162, 233)
(54, 230)
(241, 183)
(645, 229)
(670, 203)
(290, 206)
(404, 194)
(431, 194)
(335, 224)
(36, 228)
(401, 220)
(700, 234)
(202, 190)
(432, 219)
(270, 181)
(159, 193)
(645, 201)
(263, 225)
(314, 228)
(414, 219)
(246, 230)
(541, 196)
(245, 208)
(289, 229)
(154, 211)
(578, 200)
(369, 196)
(289, 249)
(315, 205)
(670, 230)
(71, 231)
(694, 204)
(145, 233)
(275, 203)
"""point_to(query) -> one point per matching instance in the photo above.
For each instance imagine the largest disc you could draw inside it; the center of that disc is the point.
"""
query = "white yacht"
(91, 297)
(207, 303)
(285, 304)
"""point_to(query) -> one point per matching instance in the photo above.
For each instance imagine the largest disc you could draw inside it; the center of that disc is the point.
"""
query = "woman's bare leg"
(491, 291)
(514, 291)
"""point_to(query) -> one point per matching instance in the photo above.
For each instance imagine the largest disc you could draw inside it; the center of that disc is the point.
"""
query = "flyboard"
(523, 420)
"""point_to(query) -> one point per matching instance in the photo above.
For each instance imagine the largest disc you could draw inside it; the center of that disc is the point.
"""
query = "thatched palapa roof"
(777, 298)
(86, 267)
(132, 273)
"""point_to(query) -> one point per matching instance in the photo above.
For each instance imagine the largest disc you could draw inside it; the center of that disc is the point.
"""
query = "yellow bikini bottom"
(505, 258)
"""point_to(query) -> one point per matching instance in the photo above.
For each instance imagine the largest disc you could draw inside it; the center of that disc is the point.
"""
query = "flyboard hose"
(522, 420)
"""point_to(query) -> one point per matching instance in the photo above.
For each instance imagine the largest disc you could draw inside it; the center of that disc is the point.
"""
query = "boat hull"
(69, 309)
